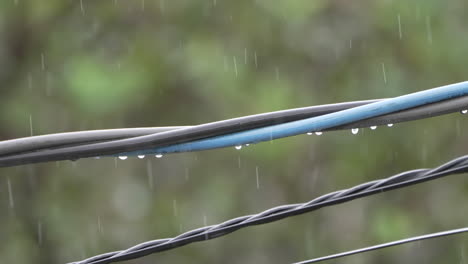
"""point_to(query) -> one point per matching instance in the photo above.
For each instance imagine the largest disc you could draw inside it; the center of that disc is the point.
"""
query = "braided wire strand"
(455, 166)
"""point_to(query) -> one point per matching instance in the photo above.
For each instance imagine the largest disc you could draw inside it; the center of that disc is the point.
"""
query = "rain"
(105, 65)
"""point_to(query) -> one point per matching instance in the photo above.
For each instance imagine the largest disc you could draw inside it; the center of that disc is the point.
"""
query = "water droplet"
(123, 157)
(309, 133)
(97, 157)
(464, 111)
(247, 145)
(318, 133)
(141, 156)
(238, 146)
(390, 125)
(355, 131)
(159, 156)
(373, 127)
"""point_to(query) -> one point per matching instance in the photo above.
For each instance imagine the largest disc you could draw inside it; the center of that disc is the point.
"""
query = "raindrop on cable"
(390, 125)
(355, 131)
(318, 133)
(123, 157)
(309, 133)
(141, 156)
(238, 147)
(158, 156)
(464, 111)
(373, 127)
(247, 145)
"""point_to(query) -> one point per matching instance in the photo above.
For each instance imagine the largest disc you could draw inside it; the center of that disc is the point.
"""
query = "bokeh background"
(81, 65)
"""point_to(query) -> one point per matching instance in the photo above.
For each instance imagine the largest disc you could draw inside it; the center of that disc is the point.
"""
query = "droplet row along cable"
(456, 166)
(237, 131)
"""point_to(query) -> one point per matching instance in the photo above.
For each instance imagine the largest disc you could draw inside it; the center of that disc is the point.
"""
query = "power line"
(456, 166)
(319, 123)
(389, 244)
(235, 131)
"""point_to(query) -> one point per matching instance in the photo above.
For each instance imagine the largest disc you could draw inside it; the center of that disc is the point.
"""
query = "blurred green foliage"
(80, 65)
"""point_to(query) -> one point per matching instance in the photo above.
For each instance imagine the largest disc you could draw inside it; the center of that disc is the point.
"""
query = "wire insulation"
(385, 245)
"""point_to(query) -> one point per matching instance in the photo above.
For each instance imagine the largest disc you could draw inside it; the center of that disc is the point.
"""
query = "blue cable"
(318, 123)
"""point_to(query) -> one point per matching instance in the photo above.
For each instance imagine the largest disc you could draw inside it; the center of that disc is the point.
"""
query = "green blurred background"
(81, 65)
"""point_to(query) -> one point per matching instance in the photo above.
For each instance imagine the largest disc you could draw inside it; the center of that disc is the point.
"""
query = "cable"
(456, 166)
(35, 143)
(185, 134)
(318, 123)
(181, 135)
(385, 245)
(202, 131)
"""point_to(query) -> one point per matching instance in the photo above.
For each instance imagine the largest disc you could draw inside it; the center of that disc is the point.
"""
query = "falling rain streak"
(42, 61)
(82, 7)
(30, 126)
(399, 26)
(384, 74)
(235, 65)
(10, 194)
(256, 174)
(429, 30)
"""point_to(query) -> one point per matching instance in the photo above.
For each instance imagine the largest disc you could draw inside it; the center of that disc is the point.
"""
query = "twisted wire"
(456, 166)
(237, 131)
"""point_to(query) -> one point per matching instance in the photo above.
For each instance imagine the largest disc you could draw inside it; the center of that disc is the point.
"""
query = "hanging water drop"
(247, 145)
(159, 155)
(373, 127)
(464, 111)
(390, 125)
(238, 147)
(309, 133)
(355, 131)
(318, 133)
(141, 156)
(123, 157)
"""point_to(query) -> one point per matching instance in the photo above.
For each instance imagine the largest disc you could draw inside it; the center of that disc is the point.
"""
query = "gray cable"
(73, 138)
(385, 245)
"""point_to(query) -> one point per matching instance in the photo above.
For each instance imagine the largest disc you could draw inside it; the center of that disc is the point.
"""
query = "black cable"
(188, 134)
(385, 245)
(456, 166)
(34, 143)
